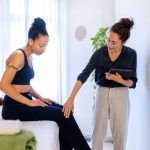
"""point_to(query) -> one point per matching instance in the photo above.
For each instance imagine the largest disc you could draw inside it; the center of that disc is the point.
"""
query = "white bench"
(46, 133)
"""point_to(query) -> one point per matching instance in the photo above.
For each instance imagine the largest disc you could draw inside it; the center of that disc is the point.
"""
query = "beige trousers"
(113, 104)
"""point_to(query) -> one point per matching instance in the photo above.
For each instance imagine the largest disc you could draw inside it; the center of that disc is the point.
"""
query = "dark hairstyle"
(37, 27)
(122, 28)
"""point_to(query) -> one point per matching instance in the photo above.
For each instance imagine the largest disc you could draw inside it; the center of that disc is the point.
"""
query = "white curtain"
(16, 17)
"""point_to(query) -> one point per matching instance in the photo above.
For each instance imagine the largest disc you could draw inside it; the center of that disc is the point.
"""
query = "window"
(21, 14)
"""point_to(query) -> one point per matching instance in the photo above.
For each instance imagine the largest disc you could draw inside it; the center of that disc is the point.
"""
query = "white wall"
(92, 14)
(139, 125)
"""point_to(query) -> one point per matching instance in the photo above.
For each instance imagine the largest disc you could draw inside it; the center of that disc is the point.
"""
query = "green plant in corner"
(98, 41)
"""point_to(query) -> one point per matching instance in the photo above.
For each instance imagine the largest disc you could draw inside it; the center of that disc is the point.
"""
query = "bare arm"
(13, 64)
(69, 105)
(39, 97)
(75, 90)
(34, 93)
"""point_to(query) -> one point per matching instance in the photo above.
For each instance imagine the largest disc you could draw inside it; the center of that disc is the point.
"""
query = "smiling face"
(38, 46)
(113, 41)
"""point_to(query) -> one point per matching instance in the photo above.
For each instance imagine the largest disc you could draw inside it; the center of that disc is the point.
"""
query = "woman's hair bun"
(37, 27)
(126, 22)
(38, 23)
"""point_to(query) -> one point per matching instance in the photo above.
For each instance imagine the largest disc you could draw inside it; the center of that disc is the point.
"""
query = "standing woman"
(112, 96)
(18, 103)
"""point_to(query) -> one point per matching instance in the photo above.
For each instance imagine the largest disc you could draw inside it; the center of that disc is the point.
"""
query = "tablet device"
(125, 73)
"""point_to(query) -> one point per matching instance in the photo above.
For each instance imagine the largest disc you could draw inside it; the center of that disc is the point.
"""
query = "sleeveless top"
(25, 74)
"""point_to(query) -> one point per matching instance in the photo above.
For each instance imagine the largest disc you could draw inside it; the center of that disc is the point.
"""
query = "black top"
(101, 62)
(25, 74)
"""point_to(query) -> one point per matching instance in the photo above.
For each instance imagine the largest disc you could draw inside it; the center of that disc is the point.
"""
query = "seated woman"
(18, 103)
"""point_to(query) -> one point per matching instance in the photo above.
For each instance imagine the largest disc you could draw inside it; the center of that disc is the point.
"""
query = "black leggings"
(70, 135)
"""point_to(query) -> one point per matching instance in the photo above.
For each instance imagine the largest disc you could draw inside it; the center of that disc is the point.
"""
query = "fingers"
(41, 103)
(68, 108)
(48, 102)
(54, 102)
(44, 104)
(118, 74)
(66, 112)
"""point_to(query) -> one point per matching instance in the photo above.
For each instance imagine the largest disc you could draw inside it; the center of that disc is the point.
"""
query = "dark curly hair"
(37, 27)
(122, 28)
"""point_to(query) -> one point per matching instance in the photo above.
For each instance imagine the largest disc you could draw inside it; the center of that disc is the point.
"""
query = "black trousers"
(70, 135)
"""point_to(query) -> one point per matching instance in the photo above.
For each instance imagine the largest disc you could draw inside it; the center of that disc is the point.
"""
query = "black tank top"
(25, 74)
